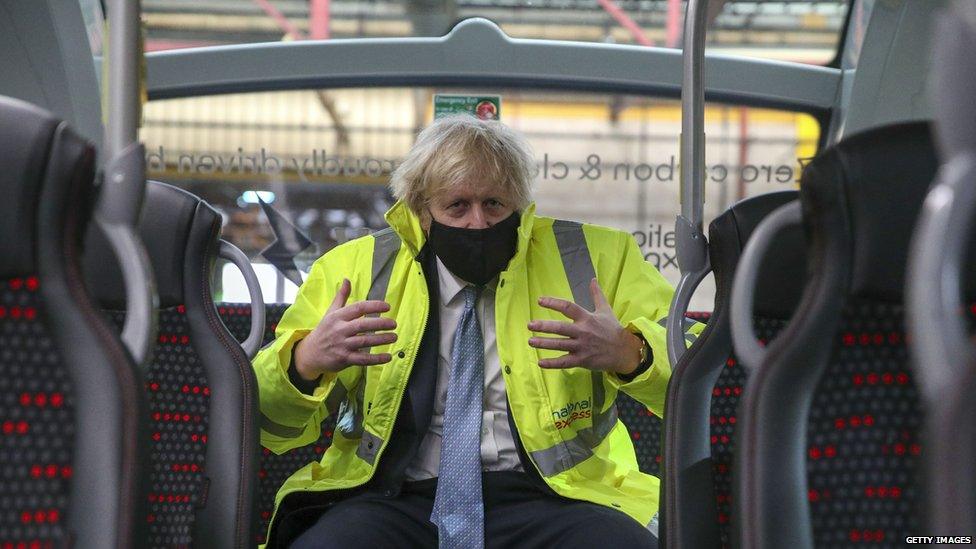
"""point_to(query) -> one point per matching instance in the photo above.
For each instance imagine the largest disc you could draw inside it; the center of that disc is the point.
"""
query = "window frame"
(477, 53)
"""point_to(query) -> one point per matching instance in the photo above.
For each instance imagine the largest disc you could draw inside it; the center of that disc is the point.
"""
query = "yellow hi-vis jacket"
(566, 418)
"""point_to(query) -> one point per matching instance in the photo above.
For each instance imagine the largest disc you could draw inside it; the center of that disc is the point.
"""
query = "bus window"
(806, 31)
(320, 162)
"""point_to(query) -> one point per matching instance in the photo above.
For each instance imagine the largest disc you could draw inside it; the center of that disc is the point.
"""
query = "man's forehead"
(477, 190)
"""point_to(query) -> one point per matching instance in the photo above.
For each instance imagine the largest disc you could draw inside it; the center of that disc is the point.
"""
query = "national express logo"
(566, 415)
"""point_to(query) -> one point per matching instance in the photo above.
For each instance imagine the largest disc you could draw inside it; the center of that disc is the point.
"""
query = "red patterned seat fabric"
(178, 403)
(725, 401)
(863, 434)
(36, 423)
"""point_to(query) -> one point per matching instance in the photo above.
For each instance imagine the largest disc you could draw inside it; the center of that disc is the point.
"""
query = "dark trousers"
(517, 514)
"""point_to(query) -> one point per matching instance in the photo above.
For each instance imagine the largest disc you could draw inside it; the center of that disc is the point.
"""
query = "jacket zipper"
(403, 390)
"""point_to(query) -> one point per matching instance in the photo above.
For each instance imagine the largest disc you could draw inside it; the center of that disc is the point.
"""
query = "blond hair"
(461, 148)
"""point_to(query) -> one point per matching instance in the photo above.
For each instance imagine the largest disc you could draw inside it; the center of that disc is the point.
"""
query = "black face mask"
(475, 255)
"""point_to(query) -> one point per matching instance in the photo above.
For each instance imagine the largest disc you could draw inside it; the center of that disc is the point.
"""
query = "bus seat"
(273, 469)
(706, 383)
(70, 396)
(828, 443)
(201, 388)
(941, 283)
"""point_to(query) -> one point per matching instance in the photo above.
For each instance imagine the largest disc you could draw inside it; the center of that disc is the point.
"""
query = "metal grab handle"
(694, 265)
(692, 247)
(141, 301)
(935, 283)
(744, 338)
(676, 315)
(232, 253)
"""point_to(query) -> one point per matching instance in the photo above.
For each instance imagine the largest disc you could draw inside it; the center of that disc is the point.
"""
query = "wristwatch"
(645, 353)
(646, 358)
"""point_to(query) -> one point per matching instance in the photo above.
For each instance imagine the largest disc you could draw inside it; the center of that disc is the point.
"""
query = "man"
(471, 353)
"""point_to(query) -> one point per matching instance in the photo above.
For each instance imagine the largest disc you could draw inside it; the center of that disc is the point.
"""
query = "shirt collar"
(450, 285)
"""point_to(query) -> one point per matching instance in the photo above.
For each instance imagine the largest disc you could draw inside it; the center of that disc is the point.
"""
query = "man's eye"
(457, 208)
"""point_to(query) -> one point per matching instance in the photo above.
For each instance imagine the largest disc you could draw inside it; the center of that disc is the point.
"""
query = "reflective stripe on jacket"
(566, 419)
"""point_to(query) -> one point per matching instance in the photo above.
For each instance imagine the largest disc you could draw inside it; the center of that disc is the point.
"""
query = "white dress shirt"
(498, 451)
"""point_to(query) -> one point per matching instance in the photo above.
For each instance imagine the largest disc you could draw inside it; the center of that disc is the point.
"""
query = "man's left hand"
(595, 341)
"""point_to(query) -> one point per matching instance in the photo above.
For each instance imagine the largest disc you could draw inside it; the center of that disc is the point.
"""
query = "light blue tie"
(458, 509)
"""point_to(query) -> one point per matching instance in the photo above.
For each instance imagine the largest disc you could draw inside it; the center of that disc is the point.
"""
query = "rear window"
(321, 160)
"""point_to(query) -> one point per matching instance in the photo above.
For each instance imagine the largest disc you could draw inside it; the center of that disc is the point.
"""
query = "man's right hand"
(342, 335)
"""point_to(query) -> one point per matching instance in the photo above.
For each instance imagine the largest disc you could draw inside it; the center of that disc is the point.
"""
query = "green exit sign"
(486, 107)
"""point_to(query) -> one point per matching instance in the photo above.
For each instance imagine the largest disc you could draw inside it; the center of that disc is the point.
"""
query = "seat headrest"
(40, 157)
(173, 224)
(26, 134)
(781, 274)
(865, 194)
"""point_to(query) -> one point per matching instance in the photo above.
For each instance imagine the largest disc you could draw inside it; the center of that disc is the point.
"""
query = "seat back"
(201, 388)
(70, 397)
(943, 262)
(829, 440)
(706, 383)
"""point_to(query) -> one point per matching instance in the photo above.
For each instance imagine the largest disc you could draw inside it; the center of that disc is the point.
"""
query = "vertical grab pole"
(123, 75)
(125, 173)
(693, 114)
(124, 184)
(692, 247)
